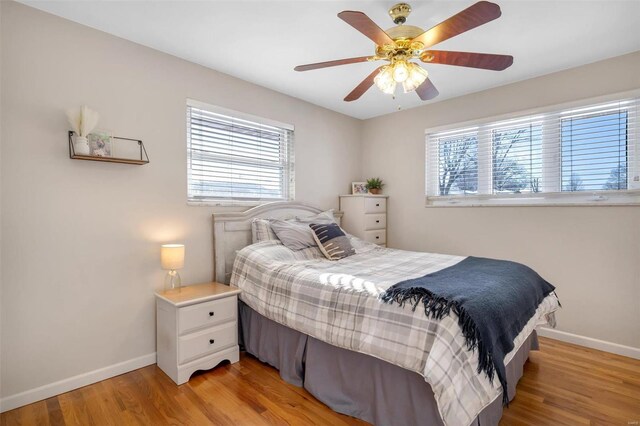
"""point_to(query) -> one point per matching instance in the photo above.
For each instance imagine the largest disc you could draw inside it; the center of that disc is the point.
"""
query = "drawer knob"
(210, 314)
(378, 237)
(378, 205)
(211, 341)
(377, 221)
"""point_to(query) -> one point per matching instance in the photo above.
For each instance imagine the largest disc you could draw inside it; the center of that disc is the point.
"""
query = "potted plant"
(82, 122)
(374, 185)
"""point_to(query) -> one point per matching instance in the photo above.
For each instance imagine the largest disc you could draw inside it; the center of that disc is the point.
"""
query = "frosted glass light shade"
(417, 76)
(172, 256)
(384, 80)
(400, 71)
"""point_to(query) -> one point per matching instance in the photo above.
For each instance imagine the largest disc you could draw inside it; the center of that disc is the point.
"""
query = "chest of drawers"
(365, 216)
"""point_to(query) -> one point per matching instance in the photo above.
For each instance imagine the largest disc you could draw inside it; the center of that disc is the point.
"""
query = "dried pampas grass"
(83, 120)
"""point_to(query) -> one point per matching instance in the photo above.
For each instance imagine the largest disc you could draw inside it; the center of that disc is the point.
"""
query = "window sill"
(229, 203)
(590, 199)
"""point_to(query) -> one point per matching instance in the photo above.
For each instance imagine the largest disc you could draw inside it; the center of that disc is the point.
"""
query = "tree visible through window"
(458, 162)
(517, 159)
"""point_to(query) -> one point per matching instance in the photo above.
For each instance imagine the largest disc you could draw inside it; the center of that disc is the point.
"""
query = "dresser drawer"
(376, 237)
(375, 221)
(207, 341)
(207, 314)
(375, 205)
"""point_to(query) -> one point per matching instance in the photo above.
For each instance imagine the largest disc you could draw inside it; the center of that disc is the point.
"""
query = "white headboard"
(232, 231)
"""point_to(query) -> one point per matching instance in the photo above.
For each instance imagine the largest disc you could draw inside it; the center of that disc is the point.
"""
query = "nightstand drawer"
(208, 341)
(376, 237)
(207, 314)
(375, 221)
(375, 205)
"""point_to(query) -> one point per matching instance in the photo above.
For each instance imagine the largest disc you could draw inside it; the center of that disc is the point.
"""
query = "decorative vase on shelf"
(374, 191)
(82, 122)
(81, 145)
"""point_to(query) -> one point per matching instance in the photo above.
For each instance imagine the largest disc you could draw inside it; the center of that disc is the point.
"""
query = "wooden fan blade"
(427, 90)
(327, 64)
(486, 61)
(362, 87)
(366, 26)
(473, 16)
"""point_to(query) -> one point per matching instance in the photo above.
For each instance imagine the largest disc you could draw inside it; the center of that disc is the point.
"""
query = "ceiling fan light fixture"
(385, 81)
(400, 71)
(417, 76)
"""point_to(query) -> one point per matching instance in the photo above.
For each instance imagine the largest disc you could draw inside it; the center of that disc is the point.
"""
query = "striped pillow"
(261, 230)
(332, 240)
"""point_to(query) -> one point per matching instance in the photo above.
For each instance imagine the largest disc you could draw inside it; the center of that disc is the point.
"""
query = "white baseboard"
(75, 382)
(589, 342)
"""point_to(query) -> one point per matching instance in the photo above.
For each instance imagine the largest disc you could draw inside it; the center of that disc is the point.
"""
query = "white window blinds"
(568, 156)
(234, 157)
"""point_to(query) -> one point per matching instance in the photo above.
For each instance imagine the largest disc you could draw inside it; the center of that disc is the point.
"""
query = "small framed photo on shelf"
(100, 143)
(359, 188)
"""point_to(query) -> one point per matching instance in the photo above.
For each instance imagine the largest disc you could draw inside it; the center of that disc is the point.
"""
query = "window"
(235, 158)
(571, 156)
(458, 164)
(516, 159)
(594, 151)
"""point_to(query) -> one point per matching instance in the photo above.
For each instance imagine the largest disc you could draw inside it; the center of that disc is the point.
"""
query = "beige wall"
(80, 245)
(591, 254)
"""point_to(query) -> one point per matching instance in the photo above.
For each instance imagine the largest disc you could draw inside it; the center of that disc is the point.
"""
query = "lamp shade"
(172, 256)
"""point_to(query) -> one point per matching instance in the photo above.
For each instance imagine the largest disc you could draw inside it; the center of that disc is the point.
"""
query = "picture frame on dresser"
(365, 216)
(359, 188)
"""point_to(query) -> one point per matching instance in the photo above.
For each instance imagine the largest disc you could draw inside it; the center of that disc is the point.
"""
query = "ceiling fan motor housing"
(404, 32)
(399, 13)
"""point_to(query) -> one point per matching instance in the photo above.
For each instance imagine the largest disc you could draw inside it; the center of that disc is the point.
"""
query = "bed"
(322, 325)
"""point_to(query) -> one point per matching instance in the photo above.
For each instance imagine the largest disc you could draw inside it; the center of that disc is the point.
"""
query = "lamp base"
(172, 280)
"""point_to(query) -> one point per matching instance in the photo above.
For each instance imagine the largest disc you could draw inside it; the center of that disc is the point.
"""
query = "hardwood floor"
(563, 384)
(566, 384)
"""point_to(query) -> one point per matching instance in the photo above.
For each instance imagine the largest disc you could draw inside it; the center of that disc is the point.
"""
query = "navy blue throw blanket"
(494, 300)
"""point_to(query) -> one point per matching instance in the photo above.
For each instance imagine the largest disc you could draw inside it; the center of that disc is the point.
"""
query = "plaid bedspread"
(338, 302)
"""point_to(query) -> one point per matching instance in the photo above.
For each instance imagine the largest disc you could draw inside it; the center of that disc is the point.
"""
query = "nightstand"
(197, 328)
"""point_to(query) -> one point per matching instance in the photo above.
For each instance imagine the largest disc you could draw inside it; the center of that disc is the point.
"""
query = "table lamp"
(172, 258)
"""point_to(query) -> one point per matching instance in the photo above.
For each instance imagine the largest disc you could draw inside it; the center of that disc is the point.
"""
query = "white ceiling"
(261, 41)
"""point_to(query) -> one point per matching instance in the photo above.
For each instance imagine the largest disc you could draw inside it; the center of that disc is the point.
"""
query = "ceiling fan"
(401, 44)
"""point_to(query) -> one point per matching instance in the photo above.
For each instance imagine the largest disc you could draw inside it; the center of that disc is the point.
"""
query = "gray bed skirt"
(356, 384)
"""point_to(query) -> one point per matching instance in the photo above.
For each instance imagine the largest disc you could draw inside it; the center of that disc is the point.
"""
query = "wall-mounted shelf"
(144, 158)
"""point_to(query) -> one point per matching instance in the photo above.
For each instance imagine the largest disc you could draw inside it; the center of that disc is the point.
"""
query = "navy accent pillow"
(332, 240)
